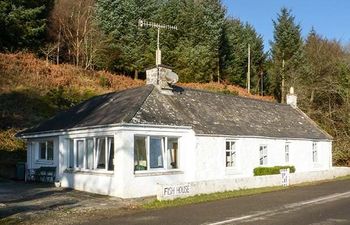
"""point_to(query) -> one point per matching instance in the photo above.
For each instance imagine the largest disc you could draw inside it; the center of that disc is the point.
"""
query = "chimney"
(162, 78)
(292, 98)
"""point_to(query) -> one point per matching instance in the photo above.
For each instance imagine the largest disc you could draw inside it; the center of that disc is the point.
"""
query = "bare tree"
(76, 33)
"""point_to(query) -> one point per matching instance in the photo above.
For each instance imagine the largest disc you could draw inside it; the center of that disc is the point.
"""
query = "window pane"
(314, 152)
(263, 155)
(89, 154)
(111, 153)
(80, 154)
(227, 145)
(156, 153)
(230, 154)
(140, 155)
(101, 153)
(287, 153)
(228, 159)
(172, 153)
(42, 150)
(71, 153)
(50, 150)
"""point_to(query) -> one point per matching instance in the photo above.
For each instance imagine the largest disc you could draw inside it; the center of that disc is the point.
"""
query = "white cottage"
(125, 143)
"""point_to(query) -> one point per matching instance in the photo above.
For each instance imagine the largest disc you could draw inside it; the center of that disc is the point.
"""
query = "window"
(263, 154)
(172, 147)
(71, 153)
(286, 152)
(46, 150)
(91, 153)
(314, 152)
(80, 150)
(154, 152)
(230, 154)
(140, 153)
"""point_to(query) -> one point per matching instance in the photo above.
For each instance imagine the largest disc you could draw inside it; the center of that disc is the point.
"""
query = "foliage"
(287, 54)
(193, 49)
(22, 23)
(260, 171)
(234, 60)
(119, 19)
(31, 91)
(323, 91)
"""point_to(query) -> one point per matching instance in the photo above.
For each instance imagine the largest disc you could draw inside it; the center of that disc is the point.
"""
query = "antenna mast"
(143, 23)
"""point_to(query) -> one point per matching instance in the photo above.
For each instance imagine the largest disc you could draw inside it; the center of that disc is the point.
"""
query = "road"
(324, 204)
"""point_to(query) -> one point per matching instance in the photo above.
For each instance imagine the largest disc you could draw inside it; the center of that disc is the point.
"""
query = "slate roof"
(206, 112)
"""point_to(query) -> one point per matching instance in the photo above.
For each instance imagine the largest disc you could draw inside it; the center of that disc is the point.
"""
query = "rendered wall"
(201, 158)
(210, 156)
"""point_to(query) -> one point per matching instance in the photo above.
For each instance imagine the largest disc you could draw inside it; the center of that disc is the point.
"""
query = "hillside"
(32, 90)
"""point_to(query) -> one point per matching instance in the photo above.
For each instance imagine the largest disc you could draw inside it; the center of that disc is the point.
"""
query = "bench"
(43, 174)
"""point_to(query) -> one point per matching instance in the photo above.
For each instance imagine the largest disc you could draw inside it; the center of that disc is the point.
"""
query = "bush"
(260, 171)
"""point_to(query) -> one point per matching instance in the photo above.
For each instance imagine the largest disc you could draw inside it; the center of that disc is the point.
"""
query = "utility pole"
(262, 83)
(248, 73)
(282, 83)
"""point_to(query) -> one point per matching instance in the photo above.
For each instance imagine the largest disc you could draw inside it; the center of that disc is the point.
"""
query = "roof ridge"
(234, 96)
(127, 118)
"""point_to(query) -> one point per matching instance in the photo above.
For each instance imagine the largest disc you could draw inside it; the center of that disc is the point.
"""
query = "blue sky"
(330, 18)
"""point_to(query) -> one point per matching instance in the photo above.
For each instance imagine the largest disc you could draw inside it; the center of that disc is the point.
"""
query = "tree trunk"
(136, 75)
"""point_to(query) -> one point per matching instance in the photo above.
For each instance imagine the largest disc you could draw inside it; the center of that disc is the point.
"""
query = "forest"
(209, 46)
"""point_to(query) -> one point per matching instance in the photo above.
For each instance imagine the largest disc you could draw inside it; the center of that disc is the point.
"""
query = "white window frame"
(314, 152)
(287, 152)
(234, 151)
(46, 151)
(263, 155)
(164, 146)
(94, 155)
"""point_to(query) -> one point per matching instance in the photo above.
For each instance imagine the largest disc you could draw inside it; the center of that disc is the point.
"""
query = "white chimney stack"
(292, 98)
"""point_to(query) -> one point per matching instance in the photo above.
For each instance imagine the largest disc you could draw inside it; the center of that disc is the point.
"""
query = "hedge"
(260, 171)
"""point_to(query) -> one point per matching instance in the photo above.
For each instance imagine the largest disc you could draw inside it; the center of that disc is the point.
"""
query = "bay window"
(91, 153)
(155, 152)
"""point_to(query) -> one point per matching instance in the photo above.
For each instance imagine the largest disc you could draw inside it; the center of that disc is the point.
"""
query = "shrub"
(260, 171)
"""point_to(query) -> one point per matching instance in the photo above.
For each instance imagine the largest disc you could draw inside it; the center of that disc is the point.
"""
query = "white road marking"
(284, 209)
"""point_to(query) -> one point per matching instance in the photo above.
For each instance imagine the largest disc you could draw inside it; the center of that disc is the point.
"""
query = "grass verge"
(156, 204)
(209, 197)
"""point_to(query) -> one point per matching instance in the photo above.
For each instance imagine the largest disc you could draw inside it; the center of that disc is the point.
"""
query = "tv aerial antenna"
(144, 23)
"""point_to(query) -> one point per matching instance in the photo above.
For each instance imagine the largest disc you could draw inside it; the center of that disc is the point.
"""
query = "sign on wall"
(285, 176)
(174, 191)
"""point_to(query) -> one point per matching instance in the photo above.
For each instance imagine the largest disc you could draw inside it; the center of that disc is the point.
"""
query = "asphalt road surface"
(324, 204)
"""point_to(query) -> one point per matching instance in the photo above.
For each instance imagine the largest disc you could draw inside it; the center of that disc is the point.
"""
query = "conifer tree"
(234, 54)
(119, 19)
(23, 23)
(286, 52)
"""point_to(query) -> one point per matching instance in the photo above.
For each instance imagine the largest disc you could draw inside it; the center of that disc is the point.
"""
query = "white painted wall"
(201, 158)
(210, 153)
